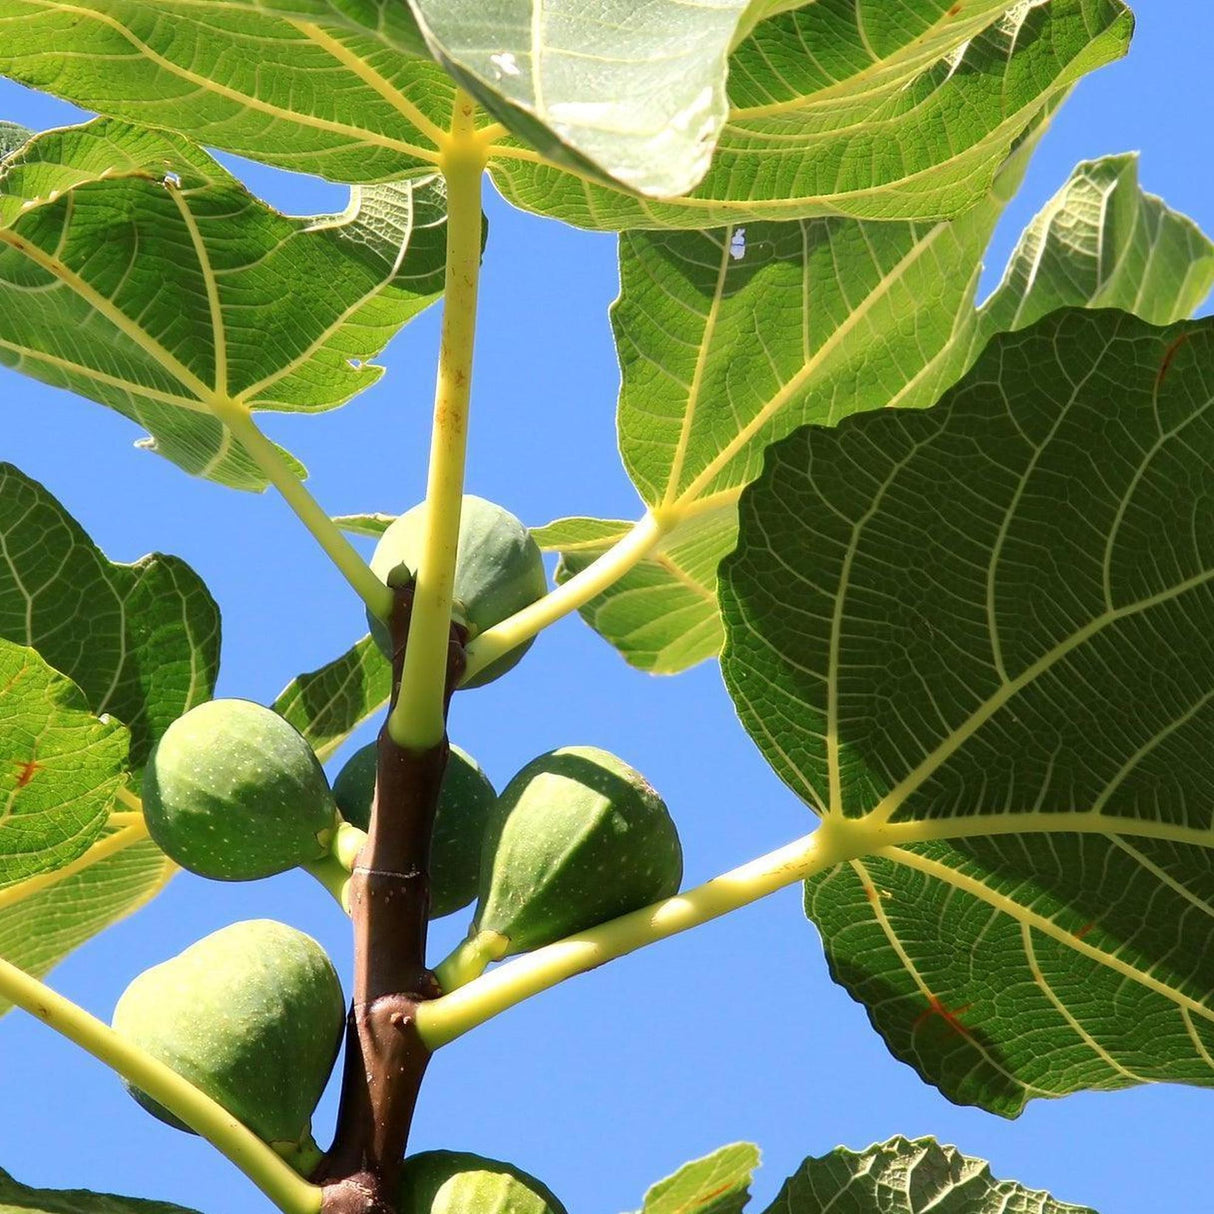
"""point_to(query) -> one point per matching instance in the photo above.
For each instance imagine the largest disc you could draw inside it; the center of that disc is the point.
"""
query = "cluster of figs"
(254, 1013)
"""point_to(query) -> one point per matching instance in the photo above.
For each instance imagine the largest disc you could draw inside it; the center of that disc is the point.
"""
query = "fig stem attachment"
(239, 420)
(417, 720)
(469, 959)
(348, 841)
(600, 575)
(442, 1020)
(258, 1161)
(336, 879)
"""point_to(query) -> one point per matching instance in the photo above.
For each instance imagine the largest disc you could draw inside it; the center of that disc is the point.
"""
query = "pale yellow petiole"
(259, 1162)
(333, 870)
(130, 800)
(327, 534)
(598, 576)
(417, 720)
(443, 1020)
(125, 817)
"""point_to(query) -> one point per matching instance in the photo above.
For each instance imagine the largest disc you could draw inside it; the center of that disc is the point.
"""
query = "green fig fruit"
(253, 1015)
(465, 802)
(577, 837)
(234, 792)
(499, 570)
(454, 1182)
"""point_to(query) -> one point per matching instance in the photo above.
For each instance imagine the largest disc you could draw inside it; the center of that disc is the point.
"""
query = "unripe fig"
(499, 570)
(465, 802)
(251, 1014)
(453, 1182)
(234, 792)
(577, 838)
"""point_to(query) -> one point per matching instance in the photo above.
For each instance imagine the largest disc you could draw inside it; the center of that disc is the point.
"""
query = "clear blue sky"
(733, 1032)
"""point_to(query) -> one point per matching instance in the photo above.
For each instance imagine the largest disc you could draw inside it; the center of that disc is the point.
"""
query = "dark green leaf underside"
(17, 1198)
(988, 625)
(904, 1176)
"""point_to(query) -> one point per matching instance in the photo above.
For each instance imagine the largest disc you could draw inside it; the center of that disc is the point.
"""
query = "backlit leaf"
(141, 641)
(60, 766)
(136, 271)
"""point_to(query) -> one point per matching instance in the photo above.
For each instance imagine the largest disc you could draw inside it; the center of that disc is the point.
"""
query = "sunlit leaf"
(662, 615)
(607, 114)
(60, 766)
(857, 108)
(633, 92)
(731, 339)
(717, 1184)
(136, 271)
(44, 919)
(141, 641)
(331, 87)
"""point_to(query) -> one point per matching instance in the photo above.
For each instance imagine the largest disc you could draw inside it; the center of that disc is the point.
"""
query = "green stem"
(443, 1020)
(469, 959)
(327, 534)
(598, 576)
(259, 1162)
(417, 721)
(334, 877)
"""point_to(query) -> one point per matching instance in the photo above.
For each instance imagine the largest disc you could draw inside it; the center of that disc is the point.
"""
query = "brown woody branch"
(390, 905)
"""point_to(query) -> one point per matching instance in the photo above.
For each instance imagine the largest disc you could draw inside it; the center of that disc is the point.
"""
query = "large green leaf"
(141, 641)
(16, 1198)
(60, 766)
(136, 271)
(717, 1184)
(849, 107)
(977, 639)
(892, 115)
(320, 86)
(328, 704)
(904, 1176)
(634, 92)
(44, 919)
(729, 340)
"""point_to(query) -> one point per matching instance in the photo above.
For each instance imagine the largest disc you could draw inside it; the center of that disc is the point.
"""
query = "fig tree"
(453, 1182)
(499, 570)
(234, 792)
(464, 805)
(251, 1014)
(577, 837)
